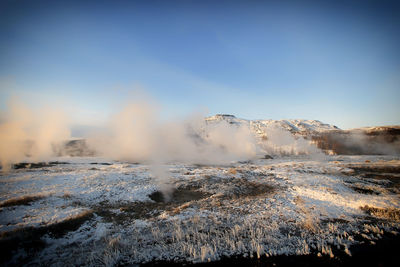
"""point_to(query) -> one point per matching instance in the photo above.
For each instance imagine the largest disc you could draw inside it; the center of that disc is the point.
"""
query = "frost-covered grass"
(282, 206)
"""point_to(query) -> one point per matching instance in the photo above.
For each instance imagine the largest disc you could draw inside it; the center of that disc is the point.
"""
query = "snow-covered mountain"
(329, 138)
(295, 126)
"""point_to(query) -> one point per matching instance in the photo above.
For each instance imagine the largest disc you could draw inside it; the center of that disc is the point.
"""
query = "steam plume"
(30, 133)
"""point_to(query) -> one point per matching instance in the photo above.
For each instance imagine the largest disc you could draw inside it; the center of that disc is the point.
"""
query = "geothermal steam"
(137, 134)
(282, 142)
(30, 133)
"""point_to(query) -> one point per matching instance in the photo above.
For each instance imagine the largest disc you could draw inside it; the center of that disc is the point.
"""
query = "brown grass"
(67, 195)
(232, 171)
(179, 209)
(24, 200)
(310, 222)
(385, 213)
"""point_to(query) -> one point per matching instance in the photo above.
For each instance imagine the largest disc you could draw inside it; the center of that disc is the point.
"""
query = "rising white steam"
(137, 134)
(282, 142)
(30, 133)
(130, 135)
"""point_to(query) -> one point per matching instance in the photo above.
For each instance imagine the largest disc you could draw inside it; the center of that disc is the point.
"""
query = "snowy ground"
(101, 212)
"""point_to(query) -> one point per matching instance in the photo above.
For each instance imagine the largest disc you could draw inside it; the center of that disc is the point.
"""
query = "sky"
(333, 61)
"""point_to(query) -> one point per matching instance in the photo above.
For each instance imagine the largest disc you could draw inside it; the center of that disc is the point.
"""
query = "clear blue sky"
(335, 61)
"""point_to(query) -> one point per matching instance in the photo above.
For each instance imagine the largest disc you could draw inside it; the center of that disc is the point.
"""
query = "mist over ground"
(137, 133)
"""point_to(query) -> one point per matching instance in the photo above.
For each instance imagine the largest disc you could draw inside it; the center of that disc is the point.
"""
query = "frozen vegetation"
(283, 206)
(189, 191)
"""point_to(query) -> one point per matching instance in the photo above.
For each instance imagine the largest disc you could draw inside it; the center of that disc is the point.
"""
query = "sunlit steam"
(137, 133)
(282, 142)
(30, 133)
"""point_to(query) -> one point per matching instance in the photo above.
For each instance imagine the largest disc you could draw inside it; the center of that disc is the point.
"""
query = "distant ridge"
(333, 140)
(295, 126)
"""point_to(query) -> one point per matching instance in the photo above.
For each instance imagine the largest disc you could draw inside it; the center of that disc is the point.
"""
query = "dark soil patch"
(381, 176)
(147, 210)
(60, 229)
(335, 220)
(157, 196)
(392, 177)
(129, 212)
(378, 172)
(244, 188)
(178, 196)
(267, 157)
(101, 163)
(366, 191)
(376, 169)
(24, 200)
(27, 165)
(29, 238)
(57, 229)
